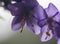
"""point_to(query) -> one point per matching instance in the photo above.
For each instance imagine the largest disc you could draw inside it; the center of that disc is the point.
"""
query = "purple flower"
(26, 12)
(51, 24)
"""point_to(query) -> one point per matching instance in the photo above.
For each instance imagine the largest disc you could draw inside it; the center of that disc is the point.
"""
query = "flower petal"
(58, 41)
(33, 26)
(51, 10)
(42, 22)
(15, 9)
(57, 30)
(38, 11)
(57, 18)
(36, 29)
(44, 36)
(16, 23)
(30, 2)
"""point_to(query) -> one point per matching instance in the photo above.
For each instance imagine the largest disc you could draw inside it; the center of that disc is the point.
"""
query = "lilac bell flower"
(26, 12)
(51, 24)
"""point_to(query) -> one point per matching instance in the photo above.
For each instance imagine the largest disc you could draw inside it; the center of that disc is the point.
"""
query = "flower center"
(49, 20)
(50, 23)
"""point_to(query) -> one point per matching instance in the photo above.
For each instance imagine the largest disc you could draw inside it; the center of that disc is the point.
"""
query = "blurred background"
(7, 36)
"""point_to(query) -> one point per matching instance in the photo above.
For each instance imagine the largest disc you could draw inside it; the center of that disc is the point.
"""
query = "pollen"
(47, 33)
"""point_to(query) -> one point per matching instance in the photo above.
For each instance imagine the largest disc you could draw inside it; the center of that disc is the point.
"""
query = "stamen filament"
(22, 23)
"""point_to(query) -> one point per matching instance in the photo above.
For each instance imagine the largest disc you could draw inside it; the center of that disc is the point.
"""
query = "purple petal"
(51, 10)
(58, 41)
(45, 37)
(33, 26)
(38, 11)
(57, 18)
(35, 29)
(30, 2)
(57, 30)
(16, 23)
(15, 9)
(42, 22)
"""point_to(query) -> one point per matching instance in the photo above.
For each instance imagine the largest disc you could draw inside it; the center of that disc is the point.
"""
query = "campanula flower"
(51, 24)
(26, 12)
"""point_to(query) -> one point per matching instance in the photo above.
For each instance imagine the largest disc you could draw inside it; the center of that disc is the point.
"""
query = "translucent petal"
(36, 29)
(16, 25)
(51, 10)
(44, 36)
(57, 18)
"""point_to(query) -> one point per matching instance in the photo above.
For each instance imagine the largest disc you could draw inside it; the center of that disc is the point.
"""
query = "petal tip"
(58, 42)
(52, 5)
(16, 27)
(37, 33)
